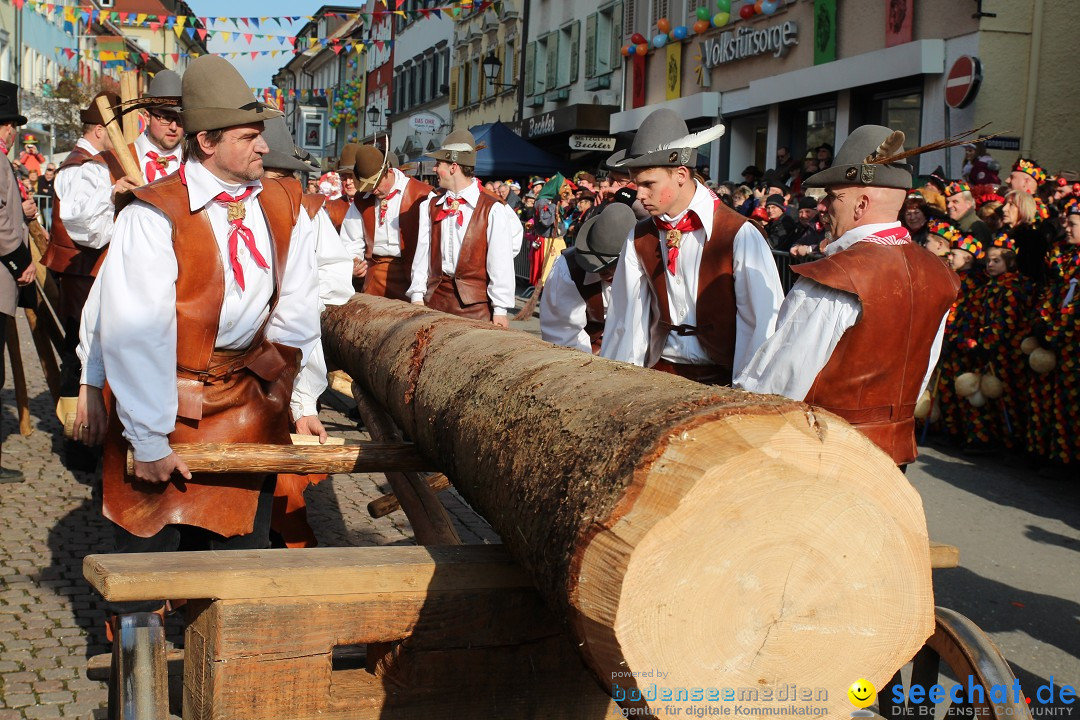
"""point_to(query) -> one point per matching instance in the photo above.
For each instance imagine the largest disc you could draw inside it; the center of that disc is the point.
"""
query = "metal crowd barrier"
(44, 206)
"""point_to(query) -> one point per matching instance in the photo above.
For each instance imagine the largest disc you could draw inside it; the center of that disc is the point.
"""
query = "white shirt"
(812, 320)
(387, 234)
(86, 203)
(562, 309)
(138, 305)
(143, 145)
(500, 256)
(758, 295)
(333, 260)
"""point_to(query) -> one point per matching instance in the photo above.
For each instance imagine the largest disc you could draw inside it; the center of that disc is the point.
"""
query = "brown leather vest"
(716, 288)
(64, 255)
(222, 396)
(470, 275)
(336, 209)
(875, 374)
(408, 218)
(312, 203)
(593, 295)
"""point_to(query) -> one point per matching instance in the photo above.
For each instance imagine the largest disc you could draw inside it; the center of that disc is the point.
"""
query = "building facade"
(479, 36)
(815, 69)
(379, 65)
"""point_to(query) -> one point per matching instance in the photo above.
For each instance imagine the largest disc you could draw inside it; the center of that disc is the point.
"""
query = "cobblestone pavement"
(50, 618)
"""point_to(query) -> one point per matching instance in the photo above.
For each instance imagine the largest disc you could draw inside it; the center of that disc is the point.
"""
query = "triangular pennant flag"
(436, 12)
(225, 35)
(155, 26)
(18, 6)
(145, 56)
(190, 32)
(202, 33)
(254, 55)
(181, 20)
(248, 37)
(245, 22)
(337, 49)
(176, 57)
(179, 30)
(255, 22)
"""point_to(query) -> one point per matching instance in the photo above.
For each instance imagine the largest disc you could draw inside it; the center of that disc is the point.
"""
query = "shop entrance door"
(749, 139)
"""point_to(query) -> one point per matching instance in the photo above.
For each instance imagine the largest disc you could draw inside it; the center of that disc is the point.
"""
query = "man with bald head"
(1026, 176)
(861, 330)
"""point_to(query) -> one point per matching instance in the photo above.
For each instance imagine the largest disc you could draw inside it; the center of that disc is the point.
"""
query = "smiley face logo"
(862, 693)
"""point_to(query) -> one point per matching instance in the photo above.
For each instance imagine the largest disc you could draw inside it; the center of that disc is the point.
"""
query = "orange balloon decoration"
(701, 26)
(643, 49)
(757, 7)
(663, 25)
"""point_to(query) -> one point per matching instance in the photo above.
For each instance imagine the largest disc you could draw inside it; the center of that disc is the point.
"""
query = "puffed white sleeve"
(812, 320)
(295, 320)
(334, 263)
(352, 233)
(422, 258)
(562, 310)
(626, 330)
(89, 350)
(758, 293)
(500, 260)
(514, 227)
(86, 204)
(138, 328)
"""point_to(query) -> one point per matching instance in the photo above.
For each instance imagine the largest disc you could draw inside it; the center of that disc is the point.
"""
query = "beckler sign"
(748, 42)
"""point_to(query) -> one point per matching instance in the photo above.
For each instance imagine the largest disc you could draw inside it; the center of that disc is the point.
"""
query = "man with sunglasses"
(158, 149)
(576, 295)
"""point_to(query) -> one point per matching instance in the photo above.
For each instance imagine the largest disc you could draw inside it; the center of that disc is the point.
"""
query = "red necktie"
(238, 230)
(452, 207)
(675, 231)
(157, 166)
(384, 204)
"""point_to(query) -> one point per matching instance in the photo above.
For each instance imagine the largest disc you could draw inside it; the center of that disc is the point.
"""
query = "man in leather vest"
(696, 291)
(209, 304)
(464, 261)
(14, 250)
(860, 332)
(382, 224)
(578, 289)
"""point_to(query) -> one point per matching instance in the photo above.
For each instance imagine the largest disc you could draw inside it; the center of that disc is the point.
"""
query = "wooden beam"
(386, 504)
(307, 571)
(944, 556)
(297, 459)
(18, 379)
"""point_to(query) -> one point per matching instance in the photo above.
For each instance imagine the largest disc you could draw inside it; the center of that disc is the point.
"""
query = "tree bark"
(699, 537)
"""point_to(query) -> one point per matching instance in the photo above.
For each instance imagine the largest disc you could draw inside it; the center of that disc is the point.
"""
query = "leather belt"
(684, 329)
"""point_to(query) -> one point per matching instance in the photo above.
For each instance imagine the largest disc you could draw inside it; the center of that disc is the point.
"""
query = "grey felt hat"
(166, 84)
(858, 161)
(283, 155)
(601, 237)
(459, 147)
(215, 96)
(663, 141)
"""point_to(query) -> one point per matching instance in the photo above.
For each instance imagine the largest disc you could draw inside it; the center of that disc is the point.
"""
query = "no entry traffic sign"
(962, 82)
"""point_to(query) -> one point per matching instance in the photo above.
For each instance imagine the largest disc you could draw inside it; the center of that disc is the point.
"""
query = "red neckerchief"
(675, 230)
(892, 236)
(384, 204)
(157, 166)
(452, 206)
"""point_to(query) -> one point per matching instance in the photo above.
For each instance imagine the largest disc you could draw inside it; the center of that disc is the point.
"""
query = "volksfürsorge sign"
(748, 42)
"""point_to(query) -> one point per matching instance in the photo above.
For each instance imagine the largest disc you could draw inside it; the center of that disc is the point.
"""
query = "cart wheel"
(957, 649)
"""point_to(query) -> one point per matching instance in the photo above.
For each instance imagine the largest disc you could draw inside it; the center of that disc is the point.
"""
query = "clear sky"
(258, 71)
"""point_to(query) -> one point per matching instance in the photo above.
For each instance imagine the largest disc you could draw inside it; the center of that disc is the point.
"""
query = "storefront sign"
(747, 42)
(540, 125)
(425, 122)
(673, 71)
(1003, 142)
(592, 142)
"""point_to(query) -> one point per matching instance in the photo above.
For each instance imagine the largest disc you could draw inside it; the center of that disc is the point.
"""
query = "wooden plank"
(307, 571)
(46, 355)
(944, 556)
(18, 378)
(129, 90)
(386, 504)
(262, 458)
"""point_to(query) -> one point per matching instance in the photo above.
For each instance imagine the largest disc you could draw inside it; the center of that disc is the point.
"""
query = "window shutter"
(453, 88)
(575, 52)
(617, 36)
(530, 68)
(552, 79)
(482, 79)
(590, 46)
(628, 18)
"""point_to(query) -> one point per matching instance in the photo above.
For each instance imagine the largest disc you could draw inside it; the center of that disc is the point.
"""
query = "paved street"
(1018, 533)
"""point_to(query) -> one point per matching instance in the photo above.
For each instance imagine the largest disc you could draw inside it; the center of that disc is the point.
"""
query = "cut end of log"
(758, 553)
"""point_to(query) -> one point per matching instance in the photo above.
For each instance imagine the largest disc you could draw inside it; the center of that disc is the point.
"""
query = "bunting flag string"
(126, 55)
(70, 15)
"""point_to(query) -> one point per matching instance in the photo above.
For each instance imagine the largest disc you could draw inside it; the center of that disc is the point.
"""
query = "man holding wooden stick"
(696, 291)
(860, 332)
(14, 249)
(209, 305)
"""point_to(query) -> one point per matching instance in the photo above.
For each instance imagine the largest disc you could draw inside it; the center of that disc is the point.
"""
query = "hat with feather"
(459, 147)
(370, 165)
(663, 140)
(866, 158)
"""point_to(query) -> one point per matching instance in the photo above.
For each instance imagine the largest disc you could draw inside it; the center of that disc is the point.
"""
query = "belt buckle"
(684, 330)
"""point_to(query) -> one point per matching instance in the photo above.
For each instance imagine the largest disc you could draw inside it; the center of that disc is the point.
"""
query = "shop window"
(660, 9)
(820, 127)
(904, 113)
(509, 64)
(603, 38)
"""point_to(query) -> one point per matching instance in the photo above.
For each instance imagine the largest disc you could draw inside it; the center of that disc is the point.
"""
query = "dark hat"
(858, 161)
(827, 146)
(9, 103)
(751, 170)
(369, 168)
(601, 237)
(937, 179)
(215, 96)
(90, 115)
(459, 147)
(586, 195)
(347, 160)
(663, 140)
(776, 200)
(283, 154)
(808, 203)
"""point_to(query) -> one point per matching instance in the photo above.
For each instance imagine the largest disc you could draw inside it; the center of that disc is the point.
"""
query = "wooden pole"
(129, 90)
(119, 144)
(46, 355)
(720, 538)
(427, 515)
(386, 504)
(18, 378)
(297, 459)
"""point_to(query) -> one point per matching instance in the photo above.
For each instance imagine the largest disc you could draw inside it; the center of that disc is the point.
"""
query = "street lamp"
(373, 116)
(492, 66)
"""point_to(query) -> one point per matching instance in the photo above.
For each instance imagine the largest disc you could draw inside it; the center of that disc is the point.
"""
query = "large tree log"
(699, 537)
